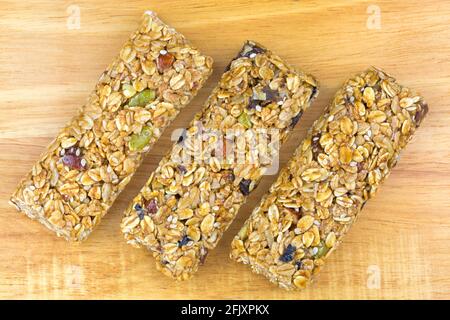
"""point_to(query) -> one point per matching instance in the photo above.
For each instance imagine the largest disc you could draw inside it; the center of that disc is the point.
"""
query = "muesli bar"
(186, 206)
(347, 154)
(94, 156)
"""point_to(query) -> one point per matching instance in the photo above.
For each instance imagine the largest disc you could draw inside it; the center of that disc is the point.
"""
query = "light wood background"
(48, 70)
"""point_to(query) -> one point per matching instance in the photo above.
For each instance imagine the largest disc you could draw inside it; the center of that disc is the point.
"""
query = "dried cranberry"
(244, 186)
(71, 150)
(165, 61)
(151, 206)
(74, 162)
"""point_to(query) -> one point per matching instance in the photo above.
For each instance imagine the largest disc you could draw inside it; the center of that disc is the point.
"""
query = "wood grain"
(47, 72)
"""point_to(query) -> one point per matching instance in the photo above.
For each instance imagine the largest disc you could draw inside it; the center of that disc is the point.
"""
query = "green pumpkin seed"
(244, 119)
(142, 98)
(140, 140)
(322, 250)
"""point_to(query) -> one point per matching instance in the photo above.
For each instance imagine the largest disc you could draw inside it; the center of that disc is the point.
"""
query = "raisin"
(253, 103)
(313, 93)
(182, 137)
(288, 254)
(359, 166)
(229, 176)
(418, 117)
(295, 119)
(182, 169)
(315, 145)
(184, 241)
(139, 210)
(251, 49)
(271, 95)
(244, 186)
(203, 254)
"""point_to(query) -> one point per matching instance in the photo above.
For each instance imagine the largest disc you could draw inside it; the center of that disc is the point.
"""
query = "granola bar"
(94, 156)
(184, 208)
(347, 154)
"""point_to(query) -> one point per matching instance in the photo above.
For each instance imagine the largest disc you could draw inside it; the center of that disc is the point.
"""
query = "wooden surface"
(47, 71)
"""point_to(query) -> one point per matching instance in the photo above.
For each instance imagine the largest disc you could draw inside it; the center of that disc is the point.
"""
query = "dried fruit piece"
(151, 206)
(295, 119)
(139, 210)
(420, 114)
(182, 169)
(229, 176)
(316, 147)
(164, 61)
(244, 186)
(262, 97)
(184, 241)
(271, 95)
(140, 141)
(250, 50)
(142, 98)
(182, 136)
(72, 158)
(203, 254)
(288, 254)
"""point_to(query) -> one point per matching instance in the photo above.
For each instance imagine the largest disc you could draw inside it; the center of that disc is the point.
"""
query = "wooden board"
(47, 71)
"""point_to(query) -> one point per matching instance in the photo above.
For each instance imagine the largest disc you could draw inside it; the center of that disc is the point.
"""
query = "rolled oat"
(347, 154)
(185, 207)
(94, 157)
